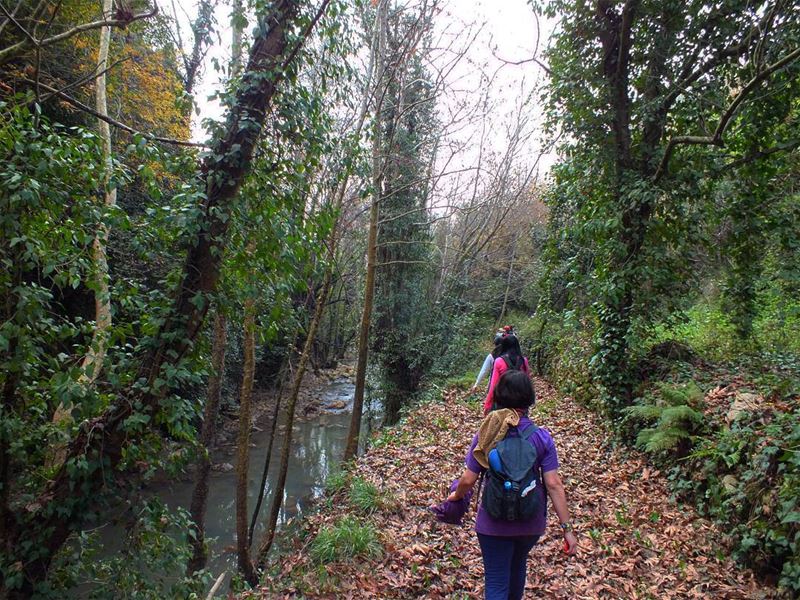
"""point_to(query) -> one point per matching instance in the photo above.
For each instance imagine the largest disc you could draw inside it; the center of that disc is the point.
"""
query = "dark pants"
(505, 561)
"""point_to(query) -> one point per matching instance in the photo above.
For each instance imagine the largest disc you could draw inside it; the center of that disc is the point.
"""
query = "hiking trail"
(635, 542)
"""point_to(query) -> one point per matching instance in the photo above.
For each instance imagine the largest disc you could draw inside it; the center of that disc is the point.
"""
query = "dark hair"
(510, 350)
(514, 390)
(498, 339)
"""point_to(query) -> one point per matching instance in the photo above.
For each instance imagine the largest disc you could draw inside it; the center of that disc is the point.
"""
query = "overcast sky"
(508, 32)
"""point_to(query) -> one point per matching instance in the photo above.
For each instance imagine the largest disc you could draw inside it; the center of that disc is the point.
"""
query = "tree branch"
(688, 77)
(716, 138)
(13, 14)
(753, 156)
(11, 52)
(119, 125)
(85, 79)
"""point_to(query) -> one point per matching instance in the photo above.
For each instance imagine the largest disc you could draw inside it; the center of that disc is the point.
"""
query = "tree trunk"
(243, 445)
(268, 458)
(201, 29)
(200, 493)
(95, 354)
(351, 449)
(60, 508)
(615, 318)
(198, 504)
(379, 51)
(280, 484)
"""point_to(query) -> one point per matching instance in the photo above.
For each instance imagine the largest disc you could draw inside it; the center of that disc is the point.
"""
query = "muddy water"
(318, 445)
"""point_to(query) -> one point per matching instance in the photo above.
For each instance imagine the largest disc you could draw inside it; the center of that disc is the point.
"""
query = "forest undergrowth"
(373, 535)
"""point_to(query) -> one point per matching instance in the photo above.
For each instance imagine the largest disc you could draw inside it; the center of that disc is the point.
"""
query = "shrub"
(148, 566)
(673, 421)
(346, 540)
(748, 479)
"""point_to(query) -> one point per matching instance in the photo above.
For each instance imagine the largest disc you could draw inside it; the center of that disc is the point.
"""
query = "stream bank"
(318, 441)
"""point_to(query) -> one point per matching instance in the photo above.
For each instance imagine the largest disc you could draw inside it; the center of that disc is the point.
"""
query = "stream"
(318, 443)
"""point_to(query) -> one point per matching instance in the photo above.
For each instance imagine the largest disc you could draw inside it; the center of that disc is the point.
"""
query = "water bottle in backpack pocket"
(512, 479)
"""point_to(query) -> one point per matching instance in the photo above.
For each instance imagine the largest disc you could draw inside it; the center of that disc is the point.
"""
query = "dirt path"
(634, 542)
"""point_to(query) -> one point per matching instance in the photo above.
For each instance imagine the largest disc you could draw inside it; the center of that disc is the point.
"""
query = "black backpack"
(512, 478)
(520, 366)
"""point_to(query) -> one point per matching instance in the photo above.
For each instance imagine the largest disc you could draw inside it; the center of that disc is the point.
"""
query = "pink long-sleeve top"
(499, 368)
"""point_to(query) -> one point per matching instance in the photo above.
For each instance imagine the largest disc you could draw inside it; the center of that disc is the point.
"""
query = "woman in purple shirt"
(505, 544)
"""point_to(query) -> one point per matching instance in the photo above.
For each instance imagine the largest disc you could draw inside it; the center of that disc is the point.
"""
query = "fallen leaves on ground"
(634, 541)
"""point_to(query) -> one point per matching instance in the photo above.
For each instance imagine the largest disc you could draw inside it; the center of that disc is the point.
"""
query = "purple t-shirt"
(548, 460)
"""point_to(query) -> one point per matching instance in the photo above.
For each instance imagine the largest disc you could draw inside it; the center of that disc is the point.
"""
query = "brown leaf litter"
(634, 541)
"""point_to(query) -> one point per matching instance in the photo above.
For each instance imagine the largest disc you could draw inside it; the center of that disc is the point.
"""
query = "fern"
(686, 394)
(644, 413)
(679, 416)
(671, 427)
(661, 440)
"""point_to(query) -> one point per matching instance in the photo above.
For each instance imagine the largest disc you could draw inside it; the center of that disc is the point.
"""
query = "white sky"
(509, 32)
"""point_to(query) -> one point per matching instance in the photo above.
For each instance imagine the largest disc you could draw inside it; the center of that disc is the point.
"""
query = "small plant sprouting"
(346, 540)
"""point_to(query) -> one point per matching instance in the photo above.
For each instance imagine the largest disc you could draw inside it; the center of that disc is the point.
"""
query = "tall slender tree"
(408, 134)
(378, 69)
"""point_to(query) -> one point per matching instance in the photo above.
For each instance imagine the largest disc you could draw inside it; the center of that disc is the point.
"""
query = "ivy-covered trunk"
(402, 306)
(199, 502)
(76, 488)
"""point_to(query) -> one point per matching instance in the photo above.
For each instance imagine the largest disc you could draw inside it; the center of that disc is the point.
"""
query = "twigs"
(12, 19)
(14, 50)
(13, 14)
(118, 124)
(716, 138)
(85, 79)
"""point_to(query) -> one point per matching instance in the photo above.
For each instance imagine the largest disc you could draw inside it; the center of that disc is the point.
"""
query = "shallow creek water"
(317, 448)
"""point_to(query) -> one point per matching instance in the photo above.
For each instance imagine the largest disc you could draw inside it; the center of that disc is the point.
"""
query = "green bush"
(346, 540)
(672, 420)
(708, 328)
(747, 477)
(149, 565)
(560, 347)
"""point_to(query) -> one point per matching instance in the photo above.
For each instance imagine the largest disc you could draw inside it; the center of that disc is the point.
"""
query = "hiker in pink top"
(509, 357)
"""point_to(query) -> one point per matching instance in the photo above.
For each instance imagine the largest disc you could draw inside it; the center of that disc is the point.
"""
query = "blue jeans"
(505, 562)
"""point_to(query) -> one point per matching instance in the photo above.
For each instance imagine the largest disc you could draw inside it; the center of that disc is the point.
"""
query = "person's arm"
(555, 489)
(465, 484)
(488, 362)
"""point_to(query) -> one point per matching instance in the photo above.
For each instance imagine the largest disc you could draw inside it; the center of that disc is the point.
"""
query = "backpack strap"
(525, 433)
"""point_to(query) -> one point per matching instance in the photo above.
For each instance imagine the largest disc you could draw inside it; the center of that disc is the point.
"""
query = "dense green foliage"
(669, 253)
(639, 218)
(51, 195)
(747, 477)
(658, 265)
